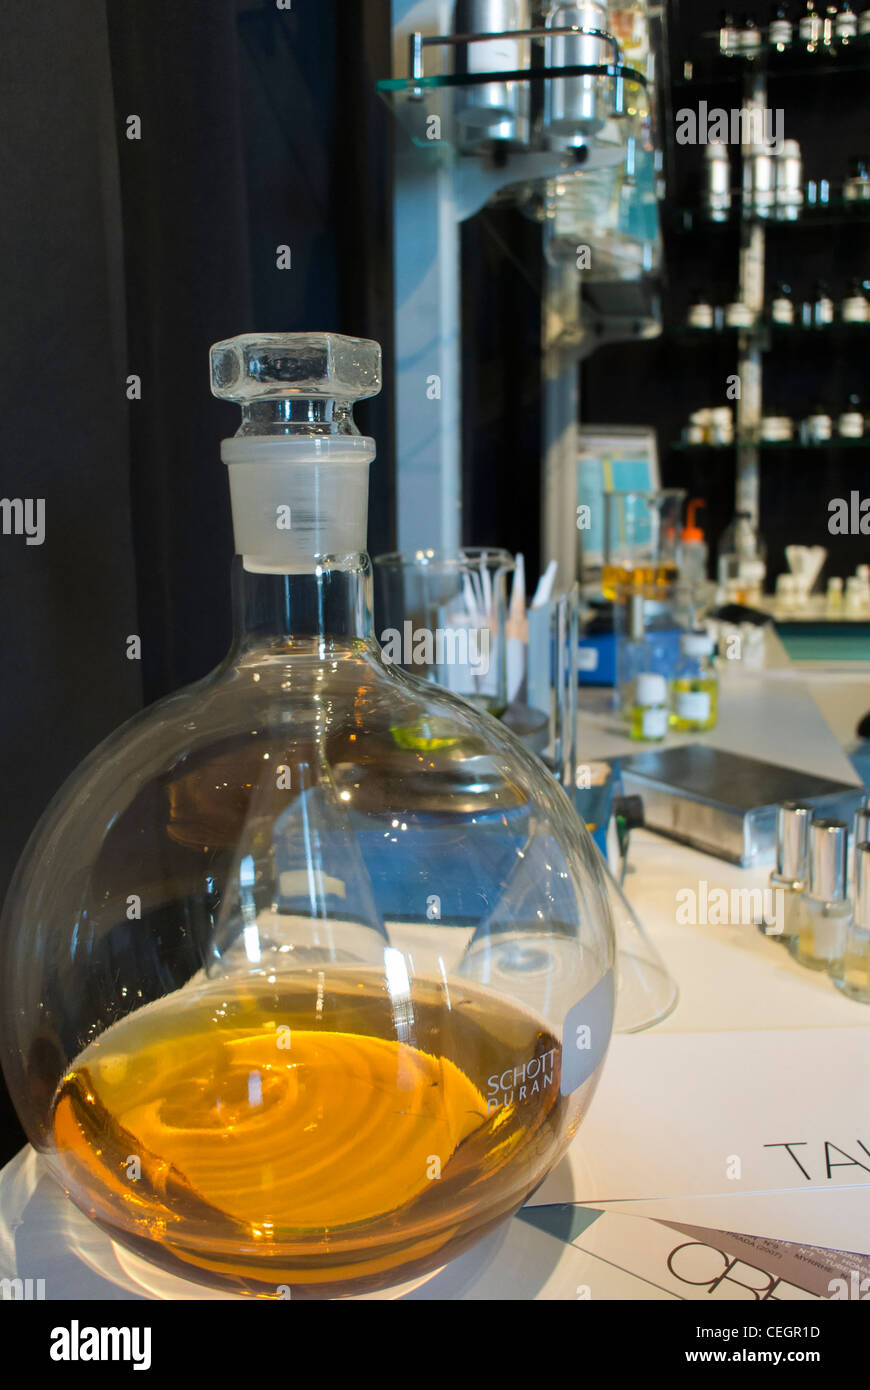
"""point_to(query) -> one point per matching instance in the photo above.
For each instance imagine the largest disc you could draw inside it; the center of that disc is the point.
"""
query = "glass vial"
(729, 37)
(780, 29)
(834, 598)
(828, 24)
(749, 36)
(856, 189)
(701, 313)
(823, 306)
(860, 835)
(818, 427)
(649, 716)
(789, 182)
(846, 24)
(718, 193)
(633, 656)
(695, 685)
(789, 878)
(826, 913)
(855, 308)
(761, 170)
(782, 305)
(852, 973)
(851, 423)
(810, 27)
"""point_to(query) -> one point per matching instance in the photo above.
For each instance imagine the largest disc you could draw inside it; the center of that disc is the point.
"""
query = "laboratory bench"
(733, 1126)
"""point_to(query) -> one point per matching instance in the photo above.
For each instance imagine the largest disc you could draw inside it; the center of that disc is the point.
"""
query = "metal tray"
(725, 804)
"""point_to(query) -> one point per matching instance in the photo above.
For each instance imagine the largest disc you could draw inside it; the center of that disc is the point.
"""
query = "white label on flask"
(587, 659)
(586, 1034)
(693, 705)
(654, 723)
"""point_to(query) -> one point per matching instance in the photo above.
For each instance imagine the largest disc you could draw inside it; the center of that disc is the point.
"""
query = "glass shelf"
(415, 101)
(680, 446)
(412, 85)
(777, 332)
(791, 62)
(837, 212)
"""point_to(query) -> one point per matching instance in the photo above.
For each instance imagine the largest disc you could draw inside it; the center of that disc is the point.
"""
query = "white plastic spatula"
(517, 632)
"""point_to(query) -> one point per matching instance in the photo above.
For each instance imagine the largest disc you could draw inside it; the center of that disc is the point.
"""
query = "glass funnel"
(308, 970)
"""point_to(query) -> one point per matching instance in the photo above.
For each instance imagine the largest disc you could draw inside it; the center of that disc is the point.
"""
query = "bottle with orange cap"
(693, 570)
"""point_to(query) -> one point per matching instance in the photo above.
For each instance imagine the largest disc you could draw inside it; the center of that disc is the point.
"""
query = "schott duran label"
(520, 1083)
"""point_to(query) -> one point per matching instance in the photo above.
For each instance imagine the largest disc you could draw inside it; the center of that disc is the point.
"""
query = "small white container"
(818, 428)
(855, 308)
(789, 181)
(782, 310)
(739, 315)
(700, 315)
(851, 424)
(777, 429)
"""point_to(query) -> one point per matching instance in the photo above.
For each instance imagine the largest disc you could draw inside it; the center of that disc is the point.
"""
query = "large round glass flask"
(308, 970)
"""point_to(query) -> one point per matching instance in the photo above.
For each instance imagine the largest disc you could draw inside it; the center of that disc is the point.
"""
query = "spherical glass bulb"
(308, 970)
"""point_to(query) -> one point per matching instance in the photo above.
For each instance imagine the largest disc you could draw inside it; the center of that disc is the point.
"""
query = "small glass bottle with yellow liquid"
(633, 656)
(825, 912)
(852, 973)
(695, 685)
(649, 715)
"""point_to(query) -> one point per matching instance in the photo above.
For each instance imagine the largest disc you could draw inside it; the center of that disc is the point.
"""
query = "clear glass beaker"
(642, 542)
(442, 614)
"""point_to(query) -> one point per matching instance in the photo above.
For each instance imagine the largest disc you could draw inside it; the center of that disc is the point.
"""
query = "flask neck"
(328, 609)
(299, 499)
(296, 416)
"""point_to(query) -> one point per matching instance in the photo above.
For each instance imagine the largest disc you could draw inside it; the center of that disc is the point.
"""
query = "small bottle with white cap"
(826, 913)
(695, 685)
(649, 716)
(788, 882)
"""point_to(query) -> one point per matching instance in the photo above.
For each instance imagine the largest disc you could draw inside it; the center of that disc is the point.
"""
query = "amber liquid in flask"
(653, 580)
(270, 1135)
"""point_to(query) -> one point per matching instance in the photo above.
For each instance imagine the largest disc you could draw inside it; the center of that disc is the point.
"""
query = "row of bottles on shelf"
(659, 689)
(850, 601)
(714, 425)
(783, 310)
(742, 570)
(824, 923)
(814, 28)
(773, 180)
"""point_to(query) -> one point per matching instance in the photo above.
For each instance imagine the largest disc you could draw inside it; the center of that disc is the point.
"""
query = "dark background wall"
(259, 128)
